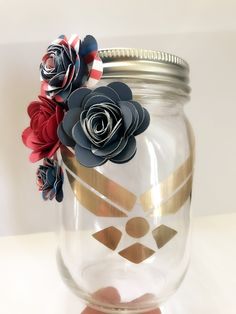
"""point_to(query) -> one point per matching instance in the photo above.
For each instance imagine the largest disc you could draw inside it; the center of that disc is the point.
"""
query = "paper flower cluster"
(99, 124)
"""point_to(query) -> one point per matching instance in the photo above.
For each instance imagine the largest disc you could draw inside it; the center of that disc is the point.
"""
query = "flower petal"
(59, 196)
(56, 81)
(33, 108)
(95, 70)
(46, 135)
(51, 128)
(74, 42)
(88, 45)
(140, 111)
(76, 97)
(135, 116)
(122, 90)
(64, 138)
(70, 119)
(107, 150)
(25, 135)
(120, 148)
(127, 153)
(31, 140)
(87, 158)
(52, 149)
(50, 176)
(127, 115)
(36, 156)
(97, 99)
(80, 137)
(144, 124)
(62, 96)
(115, 134)
(59, 114)
(109, 92)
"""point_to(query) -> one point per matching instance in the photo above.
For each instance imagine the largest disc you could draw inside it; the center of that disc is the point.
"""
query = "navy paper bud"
(50, 180)
(102, 124)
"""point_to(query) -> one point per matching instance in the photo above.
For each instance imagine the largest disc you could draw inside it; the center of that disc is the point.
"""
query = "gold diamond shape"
(110, 237)
(163, 234)
(136, 253)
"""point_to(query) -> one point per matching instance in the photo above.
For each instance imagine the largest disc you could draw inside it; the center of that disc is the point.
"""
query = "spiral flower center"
(100, 121)
(50, 63)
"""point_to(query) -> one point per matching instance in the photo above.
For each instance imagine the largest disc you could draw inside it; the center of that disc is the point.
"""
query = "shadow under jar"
(125, 227)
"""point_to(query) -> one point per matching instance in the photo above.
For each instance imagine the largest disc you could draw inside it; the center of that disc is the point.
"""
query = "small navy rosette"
(50, 180)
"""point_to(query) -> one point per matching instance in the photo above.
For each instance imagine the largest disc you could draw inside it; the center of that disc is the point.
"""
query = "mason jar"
(124, 228)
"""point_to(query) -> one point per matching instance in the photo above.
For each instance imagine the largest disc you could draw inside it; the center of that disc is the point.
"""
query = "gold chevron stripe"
(91, 201)
(173, 204)
(107, 187)
(165, 189)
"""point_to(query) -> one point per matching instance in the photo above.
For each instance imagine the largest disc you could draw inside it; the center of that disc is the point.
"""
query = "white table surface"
(30, 282)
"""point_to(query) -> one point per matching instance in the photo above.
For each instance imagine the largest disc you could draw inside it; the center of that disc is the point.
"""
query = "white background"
(202, 32)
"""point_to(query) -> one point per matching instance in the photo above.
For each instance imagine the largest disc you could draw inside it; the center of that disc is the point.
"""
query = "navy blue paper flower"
(50, 180)
(102, 124)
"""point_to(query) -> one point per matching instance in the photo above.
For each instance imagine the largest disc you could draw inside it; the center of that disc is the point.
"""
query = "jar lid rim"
(117, 54)
(145, 65)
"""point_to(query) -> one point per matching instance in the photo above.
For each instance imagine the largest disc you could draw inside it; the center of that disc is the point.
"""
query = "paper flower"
(50, 180)
(69, 64)
(41, 136)
(102, 124)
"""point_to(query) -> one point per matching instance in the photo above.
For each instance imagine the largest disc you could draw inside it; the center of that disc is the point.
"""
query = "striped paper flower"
(69, 64)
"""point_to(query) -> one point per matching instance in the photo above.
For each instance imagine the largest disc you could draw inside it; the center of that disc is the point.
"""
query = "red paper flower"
(41, 136)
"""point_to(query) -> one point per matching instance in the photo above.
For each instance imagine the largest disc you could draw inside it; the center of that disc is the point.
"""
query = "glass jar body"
(126, 227)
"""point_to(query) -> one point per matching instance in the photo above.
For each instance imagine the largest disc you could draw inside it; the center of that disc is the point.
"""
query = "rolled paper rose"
(41, 135)
(50, 180)
(69, 64)
(102, 124)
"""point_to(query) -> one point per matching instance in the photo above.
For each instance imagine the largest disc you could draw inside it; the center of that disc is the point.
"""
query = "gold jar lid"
(146, 65)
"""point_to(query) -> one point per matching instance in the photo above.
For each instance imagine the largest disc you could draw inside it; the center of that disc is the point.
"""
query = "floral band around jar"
(99, 124)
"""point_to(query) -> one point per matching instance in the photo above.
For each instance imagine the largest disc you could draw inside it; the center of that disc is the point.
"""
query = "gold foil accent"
(163, 190)
(110, 237)
(107, 187)
(163, 234)
(136, 253)
(91, 201)
(173, 204)
(191, 136)
(137, 227)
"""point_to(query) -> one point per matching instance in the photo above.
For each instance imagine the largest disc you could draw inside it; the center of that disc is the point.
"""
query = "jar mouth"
(146, 65)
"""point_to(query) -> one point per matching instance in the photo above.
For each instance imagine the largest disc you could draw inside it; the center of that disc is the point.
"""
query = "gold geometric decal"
(136, 253)
(94, 191)
(92, 201)
(126, 199)
(173, 204)
(167, 187)
(112, 190)
(163, 234)
(137, 227)
(110, 237)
